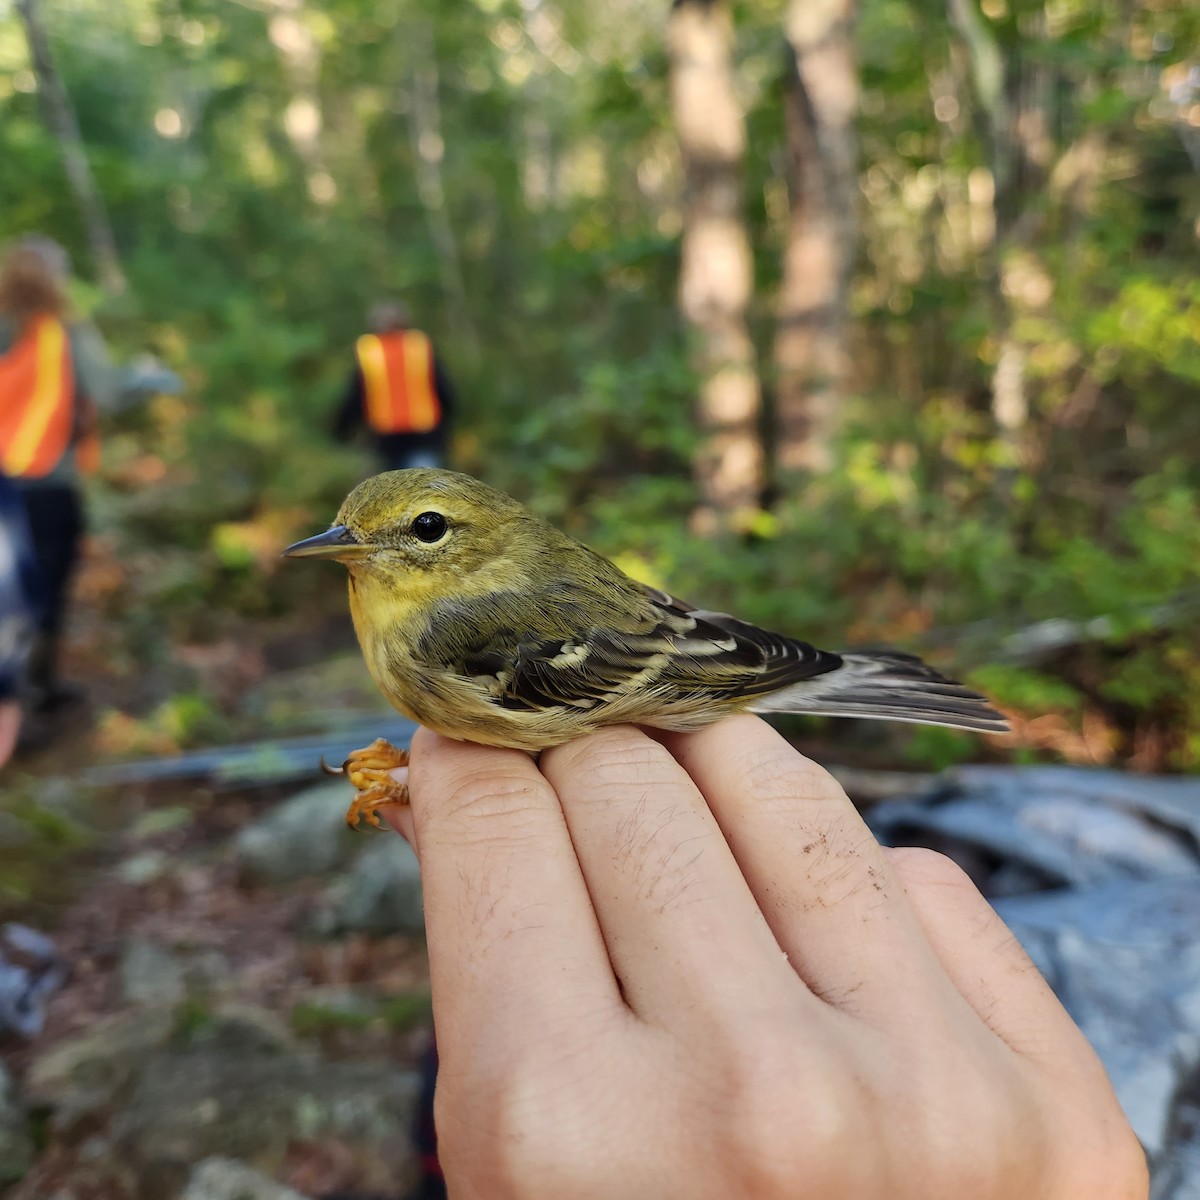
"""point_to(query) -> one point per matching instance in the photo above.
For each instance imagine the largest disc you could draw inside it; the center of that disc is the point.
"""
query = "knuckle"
(504, 795)
(921, 869)
(772, 1151)
(787, 783)
(777, 1128)
(1126, 1171)
(424, 741)
(936, 886)
(976, 1119)
(517, 1128)
(611, 761)
(1104, 1158)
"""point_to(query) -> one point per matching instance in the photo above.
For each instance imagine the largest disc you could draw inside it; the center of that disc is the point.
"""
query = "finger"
(513, 940)
(821, 879)
(985, 962)
(682, 929)
(399, 816)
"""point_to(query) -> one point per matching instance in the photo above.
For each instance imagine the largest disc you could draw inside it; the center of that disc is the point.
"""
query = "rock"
(238, 1027)
(73, 807)
(230, 1092)
(227, 1179)
(232, 1083)
(306, 835)
(16, 1142)
(380, 893)
(87, 1073)
(146, 867)
(207, 972)
(151, 974)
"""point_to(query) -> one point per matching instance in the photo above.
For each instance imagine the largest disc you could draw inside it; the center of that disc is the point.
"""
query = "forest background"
(876, 326)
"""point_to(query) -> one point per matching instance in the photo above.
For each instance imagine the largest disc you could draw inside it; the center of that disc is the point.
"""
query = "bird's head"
(422, 522)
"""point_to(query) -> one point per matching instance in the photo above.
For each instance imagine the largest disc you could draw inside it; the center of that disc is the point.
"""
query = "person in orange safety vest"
(47, 437)
(399, 392)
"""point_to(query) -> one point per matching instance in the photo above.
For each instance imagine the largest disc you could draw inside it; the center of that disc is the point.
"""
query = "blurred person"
(399, 391)
(50, 376)
(680, 965)
(19, 606)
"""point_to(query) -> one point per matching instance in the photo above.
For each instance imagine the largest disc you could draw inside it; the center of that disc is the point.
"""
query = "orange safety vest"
(397, 371)
(37, 400)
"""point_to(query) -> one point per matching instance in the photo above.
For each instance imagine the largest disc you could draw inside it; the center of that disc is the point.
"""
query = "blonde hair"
(30, 286)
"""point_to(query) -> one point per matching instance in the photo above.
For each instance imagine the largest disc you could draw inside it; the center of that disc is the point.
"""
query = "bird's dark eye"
(429, 526)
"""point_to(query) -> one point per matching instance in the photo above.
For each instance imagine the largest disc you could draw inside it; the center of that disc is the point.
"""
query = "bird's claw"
(369, 770)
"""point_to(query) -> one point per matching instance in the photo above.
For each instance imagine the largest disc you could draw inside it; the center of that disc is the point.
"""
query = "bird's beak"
(337, 542)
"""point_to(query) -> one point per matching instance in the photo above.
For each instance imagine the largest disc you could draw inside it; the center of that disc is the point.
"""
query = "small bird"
(485, 623)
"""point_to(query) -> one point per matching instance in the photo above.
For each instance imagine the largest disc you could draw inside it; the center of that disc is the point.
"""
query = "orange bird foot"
(369, 770)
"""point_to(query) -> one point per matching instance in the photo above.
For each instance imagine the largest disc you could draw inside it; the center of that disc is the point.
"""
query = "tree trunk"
(716, 276)
(1011, 115)
(60, 117)
(811, 357)
(303, 120)
(423, 112)
(540, 158)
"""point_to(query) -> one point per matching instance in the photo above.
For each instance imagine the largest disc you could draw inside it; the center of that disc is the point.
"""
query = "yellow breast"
(389, 622)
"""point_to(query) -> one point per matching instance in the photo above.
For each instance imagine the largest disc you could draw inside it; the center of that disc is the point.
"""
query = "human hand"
(685, 968)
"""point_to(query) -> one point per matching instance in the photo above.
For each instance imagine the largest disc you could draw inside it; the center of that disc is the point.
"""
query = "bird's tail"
(888, 687)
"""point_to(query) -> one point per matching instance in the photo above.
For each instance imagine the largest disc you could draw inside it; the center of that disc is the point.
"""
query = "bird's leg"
(369, 770)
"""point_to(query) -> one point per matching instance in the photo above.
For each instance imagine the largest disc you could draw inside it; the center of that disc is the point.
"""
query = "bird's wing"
(756, 660)
(669, 650)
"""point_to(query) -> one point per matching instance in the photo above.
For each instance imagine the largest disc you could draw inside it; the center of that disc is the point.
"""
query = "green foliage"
(189, 718)
(935, 749)
(408, 1011)
(397, 1014)
(1026, 689)
(315, 1020)
(193, 1017)
(1151, 326)
(39, 836)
